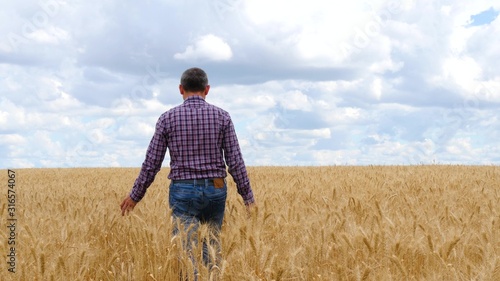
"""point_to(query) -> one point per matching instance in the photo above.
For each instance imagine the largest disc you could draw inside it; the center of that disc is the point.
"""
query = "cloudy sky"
(315, 82)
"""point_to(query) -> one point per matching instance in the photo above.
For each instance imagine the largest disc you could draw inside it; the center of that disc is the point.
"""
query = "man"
(199, 137)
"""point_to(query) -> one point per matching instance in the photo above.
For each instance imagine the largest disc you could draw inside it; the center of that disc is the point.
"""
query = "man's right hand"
(127, 205)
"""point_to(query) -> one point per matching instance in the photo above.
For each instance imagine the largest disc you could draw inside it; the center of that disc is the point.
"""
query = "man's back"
(195, 133)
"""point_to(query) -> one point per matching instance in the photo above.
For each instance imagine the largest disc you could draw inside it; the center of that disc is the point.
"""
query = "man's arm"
(236, 164)
(150, 167)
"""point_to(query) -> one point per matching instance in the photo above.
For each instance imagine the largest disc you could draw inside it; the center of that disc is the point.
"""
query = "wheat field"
(428, 222)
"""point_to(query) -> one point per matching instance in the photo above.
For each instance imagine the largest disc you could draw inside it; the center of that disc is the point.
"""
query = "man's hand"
(249, 208)
(127, 205)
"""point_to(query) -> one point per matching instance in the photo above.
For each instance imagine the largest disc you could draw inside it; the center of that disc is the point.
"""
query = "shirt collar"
(195, 99)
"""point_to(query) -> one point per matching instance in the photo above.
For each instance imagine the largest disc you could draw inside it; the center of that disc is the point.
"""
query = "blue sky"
(484, 17)
(316, 82)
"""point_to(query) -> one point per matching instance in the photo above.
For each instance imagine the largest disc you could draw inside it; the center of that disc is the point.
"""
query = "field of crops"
(311, 223)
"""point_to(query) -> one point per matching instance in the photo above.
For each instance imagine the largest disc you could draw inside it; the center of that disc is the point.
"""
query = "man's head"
(194, 80)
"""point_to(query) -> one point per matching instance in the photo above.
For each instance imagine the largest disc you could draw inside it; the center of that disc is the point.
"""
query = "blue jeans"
(194, 202)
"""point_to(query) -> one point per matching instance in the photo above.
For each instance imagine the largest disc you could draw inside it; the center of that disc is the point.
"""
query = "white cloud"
(51, 35)
(377, 88)
(386, 65)
(245, 101)
(208, 47)
(12, 139)
(135, 128)
(488, 91)
(464, 71)
(321, 32)
(296, 100)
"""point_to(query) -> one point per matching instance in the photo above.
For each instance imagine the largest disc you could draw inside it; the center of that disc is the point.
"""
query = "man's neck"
(192, 94)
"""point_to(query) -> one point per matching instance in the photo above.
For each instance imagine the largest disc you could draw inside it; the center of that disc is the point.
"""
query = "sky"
(318, 82)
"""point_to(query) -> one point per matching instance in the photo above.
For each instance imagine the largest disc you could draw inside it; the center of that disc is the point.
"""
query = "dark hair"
(194, 80)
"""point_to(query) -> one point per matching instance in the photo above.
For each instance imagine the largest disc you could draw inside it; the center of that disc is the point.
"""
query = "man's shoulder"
(217, 108)
(181, 107)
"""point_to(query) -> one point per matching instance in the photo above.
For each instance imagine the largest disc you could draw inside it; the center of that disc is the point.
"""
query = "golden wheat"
(311, 223)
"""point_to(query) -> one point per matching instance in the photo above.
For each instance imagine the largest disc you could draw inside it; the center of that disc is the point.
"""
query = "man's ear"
(181, 89)
(207, 89)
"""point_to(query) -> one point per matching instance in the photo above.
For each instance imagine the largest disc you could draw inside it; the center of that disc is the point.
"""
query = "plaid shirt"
(199, 136)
